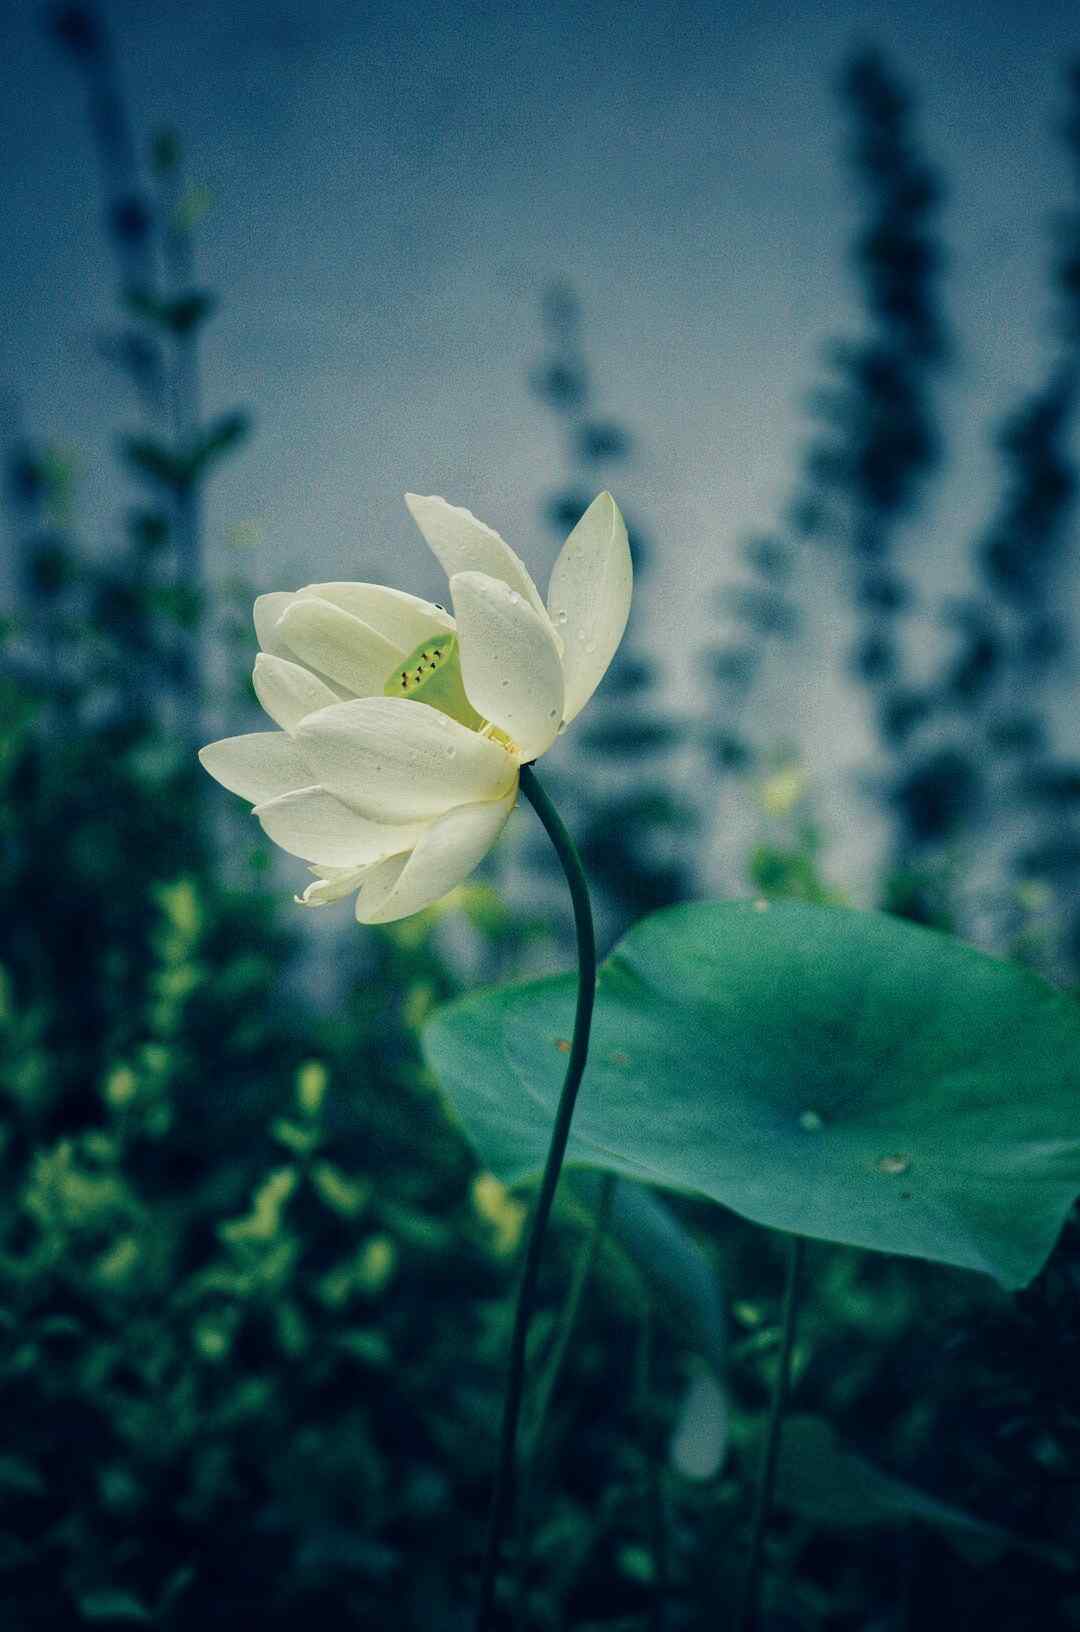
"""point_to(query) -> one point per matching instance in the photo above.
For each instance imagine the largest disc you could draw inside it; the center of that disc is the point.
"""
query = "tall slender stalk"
(549, 1381)
(748, 1614)
(503, 1492)
(654, 1490)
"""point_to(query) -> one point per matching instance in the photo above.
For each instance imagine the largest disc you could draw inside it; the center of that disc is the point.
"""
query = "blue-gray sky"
(395, 184)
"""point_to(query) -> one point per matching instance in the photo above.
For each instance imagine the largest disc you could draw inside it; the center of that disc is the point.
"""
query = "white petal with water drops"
(312, 824)
(338, 645)
(288, 691)
(258, 766)
(510, 664)
(266, 613)
(448, 852)
(463, 544)
(404, 620)
(589, 598)
(396, 760)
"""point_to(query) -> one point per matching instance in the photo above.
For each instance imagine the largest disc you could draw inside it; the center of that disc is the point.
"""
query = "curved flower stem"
(503, 1492)
(748, 1614)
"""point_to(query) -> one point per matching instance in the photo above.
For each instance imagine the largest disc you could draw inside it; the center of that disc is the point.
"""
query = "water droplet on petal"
(553, 713)
(560, 617)
(504, 684)
(514, 597)
(590, 645)
(450, 752)
(894, 1164)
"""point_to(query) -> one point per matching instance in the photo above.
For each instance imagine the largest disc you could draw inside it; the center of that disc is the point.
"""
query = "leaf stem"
(503, 1491)
(549, 1379)
(654, 1490)
(575, 1298)
(748, 1614)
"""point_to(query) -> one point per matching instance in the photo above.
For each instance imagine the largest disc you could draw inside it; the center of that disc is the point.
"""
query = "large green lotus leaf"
(840, 1074)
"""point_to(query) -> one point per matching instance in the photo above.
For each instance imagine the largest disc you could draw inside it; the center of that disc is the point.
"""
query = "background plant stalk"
(748, 1614)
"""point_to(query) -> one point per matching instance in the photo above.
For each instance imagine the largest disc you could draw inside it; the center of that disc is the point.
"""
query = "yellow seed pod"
(432, 675)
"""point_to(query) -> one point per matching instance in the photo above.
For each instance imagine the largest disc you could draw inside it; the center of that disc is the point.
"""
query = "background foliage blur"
(254, 1293)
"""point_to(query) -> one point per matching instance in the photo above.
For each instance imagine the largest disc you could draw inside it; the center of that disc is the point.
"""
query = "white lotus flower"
(403, 728)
